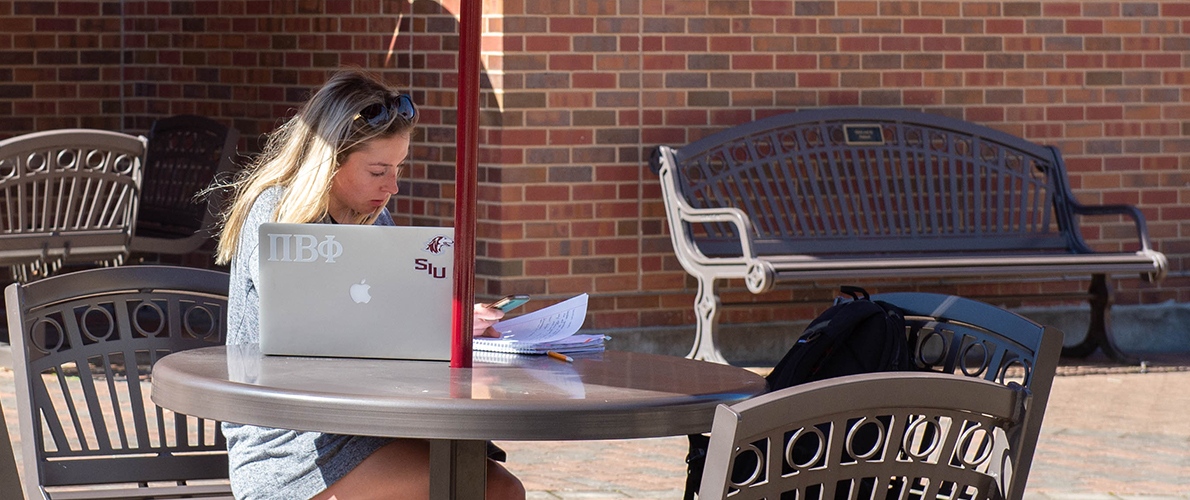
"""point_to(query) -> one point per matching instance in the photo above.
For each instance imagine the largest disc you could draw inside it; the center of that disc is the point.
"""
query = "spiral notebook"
(553, 328)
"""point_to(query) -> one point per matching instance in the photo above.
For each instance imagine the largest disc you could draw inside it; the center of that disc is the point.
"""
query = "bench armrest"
(759, 275)
(1142, 233)
(662, 164)
(1138, 218)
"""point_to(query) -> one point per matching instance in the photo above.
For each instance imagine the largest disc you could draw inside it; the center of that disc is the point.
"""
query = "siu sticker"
(437, 246)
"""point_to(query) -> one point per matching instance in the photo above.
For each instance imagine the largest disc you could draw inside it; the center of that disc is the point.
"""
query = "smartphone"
(509, 302)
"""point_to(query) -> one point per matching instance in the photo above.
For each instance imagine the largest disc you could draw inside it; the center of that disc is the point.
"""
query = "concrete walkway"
(1110, 432)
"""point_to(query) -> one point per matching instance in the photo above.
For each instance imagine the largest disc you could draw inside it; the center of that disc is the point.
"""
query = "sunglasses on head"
(381, 114)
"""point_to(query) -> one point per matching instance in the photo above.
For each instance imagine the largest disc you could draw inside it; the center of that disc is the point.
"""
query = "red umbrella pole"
(466, 164)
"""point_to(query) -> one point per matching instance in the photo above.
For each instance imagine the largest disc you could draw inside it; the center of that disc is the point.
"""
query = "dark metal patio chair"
(84, 345)
(185, 153)
(966, 337)
(872, 436)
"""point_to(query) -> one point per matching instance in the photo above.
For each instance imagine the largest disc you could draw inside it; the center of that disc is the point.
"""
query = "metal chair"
(67, 196)
(185, 153)
(872, 436)
(960, 336)
(84, 344)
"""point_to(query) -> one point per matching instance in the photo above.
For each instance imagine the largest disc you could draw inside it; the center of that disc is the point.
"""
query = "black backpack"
(856, 335)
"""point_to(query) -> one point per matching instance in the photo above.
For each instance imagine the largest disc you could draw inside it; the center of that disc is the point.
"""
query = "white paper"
(550, 324)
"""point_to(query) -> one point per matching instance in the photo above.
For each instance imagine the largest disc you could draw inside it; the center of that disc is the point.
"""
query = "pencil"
(559, 356)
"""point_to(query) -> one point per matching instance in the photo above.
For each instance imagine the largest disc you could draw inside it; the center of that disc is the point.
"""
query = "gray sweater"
(276, 463)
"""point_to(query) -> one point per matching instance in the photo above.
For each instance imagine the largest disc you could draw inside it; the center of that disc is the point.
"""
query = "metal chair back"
(67, 196)
(84, 345)
(185, 154)
(961, 336)
(871, 436)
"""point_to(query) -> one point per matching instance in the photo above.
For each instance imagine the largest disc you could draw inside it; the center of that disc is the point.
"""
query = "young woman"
(336, 161)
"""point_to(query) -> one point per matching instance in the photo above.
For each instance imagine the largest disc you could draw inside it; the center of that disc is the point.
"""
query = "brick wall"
(577, 93)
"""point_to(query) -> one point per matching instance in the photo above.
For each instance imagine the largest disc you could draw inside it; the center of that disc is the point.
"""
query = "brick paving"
(1110, 432)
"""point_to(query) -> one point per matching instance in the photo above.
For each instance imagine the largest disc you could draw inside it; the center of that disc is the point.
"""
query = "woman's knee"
(502, 484)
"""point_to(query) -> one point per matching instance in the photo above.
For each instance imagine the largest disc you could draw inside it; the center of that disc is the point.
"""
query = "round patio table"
(601, 395)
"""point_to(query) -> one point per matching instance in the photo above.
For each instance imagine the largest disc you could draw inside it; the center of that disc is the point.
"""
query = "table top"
(601, 395)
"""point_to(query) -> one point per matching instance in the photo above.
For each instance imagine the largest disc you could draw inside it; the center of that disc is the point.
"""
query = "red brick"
(983, 79)
(900, 44)
(724, 44)
(546, 43)
(572, 285)
(1024, 44)
(686, 43)
(617, 246)
(1062, 9)
(1064, 113)
(751, 62)
(546, 193)
(619, 283)
(859, 43)
(1084, 26)
(599, 80)
(922, 97)
(752, 25)
(796, 62)
(964, 61)
(544, 230)
(806, 79)
(571, 25)
(948, 79)
(546, 267)
(1142, 43)
(592, 229)
(1005, 26)
(516, 249)
(663, 62)
(857, 8)
(922, 26)
(1163, 61)
(984, 115)
(1175, 9)
(776, 9)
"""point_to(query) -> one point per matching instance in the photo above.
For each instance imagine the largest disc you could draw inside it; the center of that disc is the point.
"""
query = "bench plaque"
(863, 135)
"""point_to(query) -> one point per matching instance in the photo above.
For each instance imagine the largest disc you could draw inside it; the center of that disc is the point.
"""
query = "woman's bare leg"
(401, 469)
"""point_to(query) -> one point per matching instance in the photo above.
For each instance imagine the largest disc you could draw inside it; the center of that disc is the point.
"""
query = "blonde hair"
(305, 152)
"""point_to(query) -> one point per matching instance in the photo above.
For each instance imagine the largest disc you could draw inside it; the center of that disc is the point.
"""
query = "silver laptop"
(356, 291)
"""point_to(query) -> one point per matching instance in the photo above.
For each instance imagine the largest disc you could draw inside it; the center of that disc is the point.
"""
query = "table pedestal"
(458, 469)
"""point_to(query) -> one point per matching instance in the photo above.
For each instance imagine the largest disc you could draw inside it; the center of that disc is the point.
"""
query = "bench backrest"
(868, 180)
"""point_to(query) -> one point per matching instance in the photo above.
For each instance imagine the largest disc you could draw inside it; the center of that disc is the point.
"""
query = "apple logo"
(359, 292)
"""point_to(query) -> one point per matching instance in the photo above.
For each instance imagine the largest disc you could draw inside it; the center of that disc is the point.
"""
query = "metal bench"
(842, 195)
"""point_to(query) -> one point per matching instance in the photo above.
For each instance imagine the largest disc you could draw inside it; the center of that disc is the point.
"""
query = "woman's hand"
(484, 318)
